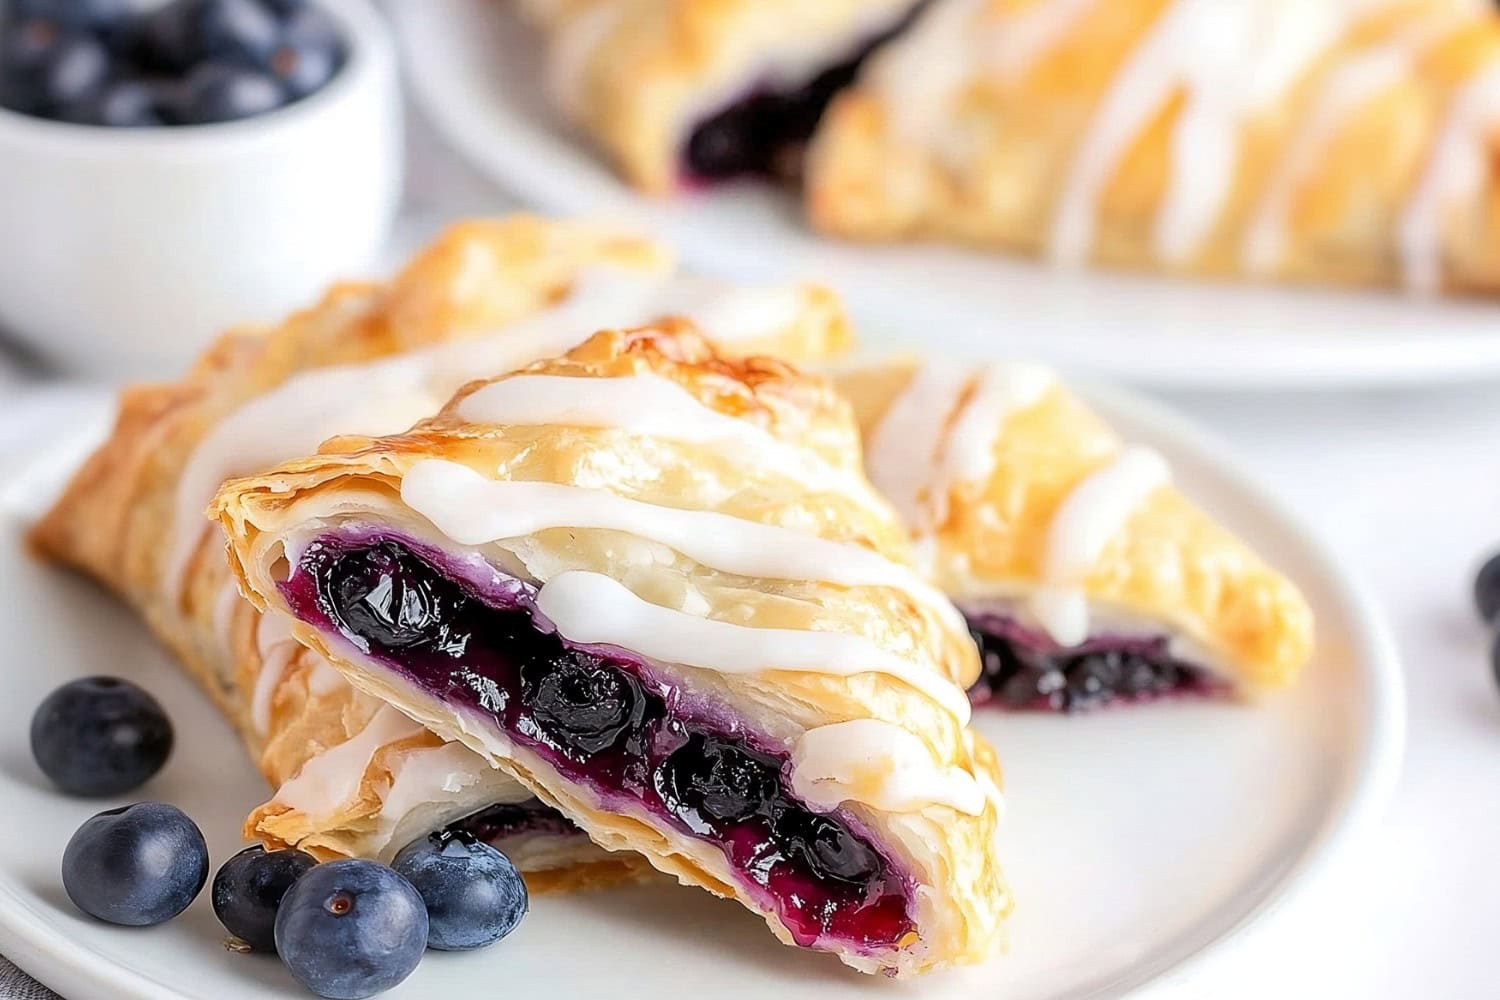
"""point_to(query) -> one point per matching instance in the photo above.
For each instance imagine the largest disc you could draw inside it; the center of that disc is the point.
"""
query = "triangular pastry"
(354, 777)
(1313, 140)
(1086, 575)
(681, 92)
(652, 583)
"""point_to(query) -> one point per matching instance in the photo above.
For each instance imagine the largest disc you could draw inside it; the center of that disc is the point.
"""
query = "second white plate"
(1140, 842)
(476, 72)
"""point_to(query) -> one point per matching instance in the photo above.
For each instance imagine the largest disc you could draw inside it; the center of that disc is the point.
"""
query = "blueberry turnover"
(681, 93)
(1300, 140)
(652, 583)
(1087, 578)
(352, 775)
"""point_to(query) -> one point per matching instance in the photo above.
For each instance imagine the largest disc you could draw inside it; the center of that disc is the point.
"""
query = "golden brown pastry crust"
(1169, 563)
(1325, 172)
(637, 75)
(116, 521)
(359, 482)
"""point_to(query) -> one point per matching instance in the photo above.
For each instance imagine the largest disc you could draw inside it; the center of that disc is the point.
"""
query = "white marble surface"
(1405, 487)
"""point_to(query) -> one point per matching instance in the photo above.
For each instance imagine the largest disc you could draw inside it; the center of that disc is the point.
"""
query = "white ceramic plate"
(1140, 842)
(476, 72)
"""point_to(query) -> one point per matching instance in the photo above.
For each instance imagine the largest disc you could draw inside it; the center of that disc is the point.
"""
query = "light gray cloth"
(17, 985)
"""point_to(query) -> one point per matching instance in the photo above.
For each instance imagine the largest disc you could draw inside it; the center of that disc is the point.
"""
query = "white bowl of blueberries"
(168, 169)
(345, 929)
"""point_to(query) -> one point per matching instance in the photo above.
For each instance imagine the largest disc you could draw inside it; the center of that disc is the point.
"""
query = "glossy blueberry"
(351, 929)
(1487, 590)
(382, 596)
(248, 889)
(716, 780)
(474, 895)
(100, 736)
(137, 865)
(582, 705)
(219, 92)
(831, 851)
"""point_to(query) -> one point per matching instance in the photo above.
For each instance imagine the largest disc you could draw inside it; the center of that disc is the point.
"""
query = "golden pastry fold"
(677, 92)
(352, 776)
(1086, 575)
(1309, 140)
(652, 583)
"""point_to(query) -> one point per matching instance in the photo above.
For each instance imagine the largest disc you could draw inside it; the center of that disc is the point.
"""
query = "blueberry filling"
(763, 133)
(512, 819)
(1024, 669)
(602, 718)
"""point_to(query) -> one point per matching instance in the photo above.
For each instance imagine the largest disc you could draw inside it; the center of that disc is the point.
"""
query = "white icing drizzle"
(880, 764)
(388, 396)
(1456, 170)
(431, 774)
(1347, 88)
(225, 604)
(968, 450)
(1228, 57)
(572, 47)
(1083, 525)
(651, 406)
(594, 608)
(276, 647)
(903, 448)
(922, 448)
(950, 43)
(474, 510)
(332, 777)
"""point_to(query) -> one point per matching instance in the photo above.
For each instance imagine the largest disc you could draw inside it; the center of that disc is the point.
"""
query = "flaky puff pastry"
(639, 75)
(487, 296)
(1024, 503)
(1348, 141)
(699, 524)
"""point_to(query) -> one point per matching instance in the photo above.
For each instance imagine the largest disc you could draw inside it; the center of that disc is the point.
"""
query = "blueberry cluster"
(189, 62)
(345, 929)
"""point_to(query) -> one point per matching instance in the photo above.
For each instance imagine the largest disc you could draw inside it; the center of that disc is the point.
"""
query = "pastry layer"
(1025, 505)
(487, 296)
(1290, 139)
(733, 86)
(694, 528)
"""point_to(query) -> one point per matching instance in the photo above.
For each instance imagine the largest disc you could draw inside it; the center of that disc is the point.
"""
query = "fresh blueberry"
(302, 67)
(248, 890)
(1487, 590)
(137, 865)
(474, 895)
(100, 736)
(351, 929)
(242, 31)
(76, 72)
(286, 8)
(27, 48)
(120, 104)
(218, 92)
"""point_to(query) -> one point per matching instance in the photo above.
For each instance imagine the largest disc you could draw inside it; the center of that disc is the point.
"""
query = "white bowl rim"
(371, 51)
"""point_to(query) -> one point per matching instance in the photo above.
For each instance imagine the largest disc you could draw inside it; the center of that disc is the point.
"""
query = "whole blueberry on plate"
(100, 736)
(351, 929)
(474, 895)
(136, 865)
(1487, 590)
(248, 889)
